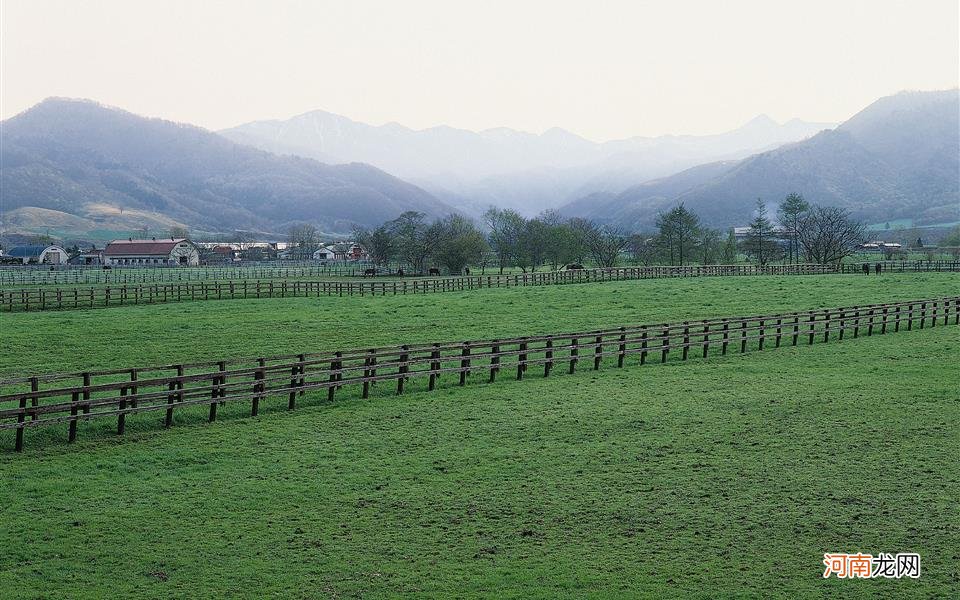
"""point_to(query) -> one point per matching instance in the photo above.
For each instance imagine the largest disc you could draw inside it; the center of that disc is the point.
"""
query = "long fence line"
(66, 399)
(26, 299)
(85, 274)
(89, 274)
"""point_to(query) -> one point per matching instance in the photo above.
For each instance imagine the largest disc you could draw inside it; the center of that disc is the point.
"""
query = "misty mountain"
(80, 158)
(505, 167)
(897, 158)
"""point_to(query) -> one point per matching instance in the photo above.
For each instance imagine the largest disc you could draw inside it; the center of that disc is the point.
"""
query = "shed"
(38, 255)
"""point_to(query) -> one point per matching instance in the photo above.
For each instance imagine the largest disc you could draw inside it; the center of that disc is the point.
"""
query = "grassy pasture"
(729, 476)
(169, 333)
(706, 478)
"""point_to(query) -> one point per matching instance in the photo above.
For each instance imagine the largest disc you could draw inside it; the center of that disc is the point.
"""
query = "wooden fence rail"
(32, 299)
(903, 266)
(66, 399)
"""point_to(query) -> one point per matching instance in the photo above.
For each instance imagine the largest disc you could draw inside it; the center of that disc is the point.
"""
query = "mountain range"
(508, 168)
(78, 164)
(897, 158)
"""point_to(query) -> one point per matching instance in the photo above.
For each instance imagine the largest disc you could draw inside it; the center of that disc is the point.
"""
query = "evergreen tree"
(789, 214)
(760, 243)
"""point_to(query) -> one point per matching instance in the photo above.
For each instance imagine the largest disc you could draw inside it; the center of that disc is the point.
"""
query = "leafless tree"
(605, 243)
(827, 234)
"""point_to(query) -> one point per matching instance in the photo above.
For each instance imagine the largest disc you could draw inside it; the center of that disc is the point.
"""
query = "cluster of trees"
(551, 240)
(511, 240)
(804, 232)
(452, 242)
(819, 234)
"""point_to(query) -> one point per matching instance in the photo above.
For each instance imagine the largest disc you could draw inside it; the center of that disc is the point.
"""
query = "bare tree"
(827, 234)
(380, 244)
(506, 230)
(304, 239)
(605, 243)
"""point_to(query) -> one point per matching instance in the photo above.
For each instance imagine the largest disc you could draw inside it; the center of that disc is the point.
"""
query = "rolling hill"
(897, 158)
(90, 161)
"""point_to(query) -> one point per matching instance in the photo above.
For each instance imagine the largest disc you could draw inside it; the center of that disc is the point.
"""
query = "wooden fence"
(96, 274)
(66, 399)
(904, 266)
(26, 299)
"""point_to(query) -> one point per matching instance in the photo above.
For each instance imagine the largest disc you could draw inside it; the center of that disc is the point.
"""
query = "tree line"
(804, 232)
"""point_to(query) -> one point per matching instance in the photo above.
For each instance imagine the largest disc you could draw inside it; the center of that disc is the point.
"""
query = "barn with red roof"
(164, 252)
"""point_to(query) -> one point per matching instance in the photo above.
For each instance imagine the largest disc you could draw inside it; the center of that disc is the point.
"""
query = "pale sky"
(602, 69)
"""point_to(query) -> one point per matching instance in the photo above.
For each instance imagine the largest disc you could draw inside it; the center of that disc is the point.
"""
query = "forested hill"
(87, 160)
(897, 158)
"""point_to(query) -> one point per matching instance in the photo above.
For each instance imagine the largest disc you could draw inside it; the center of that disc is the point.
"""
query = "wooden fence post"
(522, 360)
(643, 346)
(335, 375)
(370, 362)
(597, 352)
(464, 363)
(813, 325)
(743, 336)
(574, 351)
(403, 369)
(548, 355)
(434, 367)
(706, 340)
(494, 359)
(258, 386)
(665, 344)
(762, 335)
(171, 398)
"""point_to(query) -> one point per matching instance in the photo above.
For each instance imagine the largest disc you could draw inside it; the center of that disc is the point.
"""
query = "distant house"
(153, 253)
(348, 251)
(37, 255)
(223, 253)
(325, 253)
(90, 257)
(878, 246)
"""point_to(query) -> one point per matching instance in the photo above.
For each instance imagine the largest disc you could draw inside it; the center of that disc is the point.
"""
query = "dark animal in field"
(400, 272)
(877, 268)
(369, 272)
(866, 269)
(574, 267)
(466, 271)
(107, 267)
(434, 271)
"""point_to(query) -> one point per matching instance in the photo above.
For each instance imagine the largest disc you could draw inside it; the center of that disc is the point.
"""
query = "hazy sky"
(602, 69)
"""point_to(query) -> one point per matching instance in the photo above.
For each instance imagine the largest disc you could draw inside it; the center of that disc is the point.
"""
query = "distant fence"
(904, 266)
(90, 274)
(66, 399)
(26, 299)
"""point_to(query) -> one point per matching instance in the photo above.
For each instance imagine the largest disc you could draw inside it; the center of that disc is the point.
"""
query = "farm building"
(165, 252)
(90, 257)
(324, 253)
(37, 255)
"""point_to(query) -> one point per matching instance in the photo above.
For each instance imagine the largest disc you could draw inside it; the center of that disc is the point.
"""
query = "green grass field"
(166, 333)
(716, 478)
